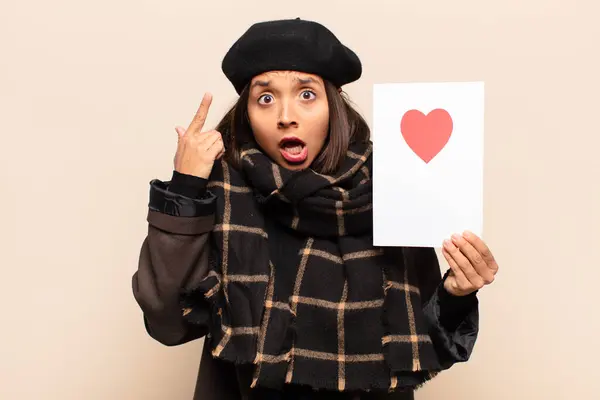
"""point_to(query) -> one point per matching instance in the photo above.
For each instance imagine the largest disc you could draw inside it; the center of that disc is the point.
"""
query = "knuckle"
(477, 259)
(468, 268)
(487, 255)
(475, 279)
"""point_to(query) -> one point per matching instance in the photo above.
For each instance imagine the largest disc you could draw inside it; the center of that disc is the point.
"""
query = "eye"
(265, 99)
(308, 95)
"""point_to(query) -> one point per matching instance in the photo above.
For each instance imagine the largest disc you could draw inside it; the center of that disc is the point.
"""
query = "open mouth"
(293, 149)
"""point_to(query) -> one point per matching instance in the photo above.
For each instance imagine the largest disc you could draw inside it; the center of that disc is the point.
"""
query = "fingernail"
(448, 244)
(466, 234)
(456, 237)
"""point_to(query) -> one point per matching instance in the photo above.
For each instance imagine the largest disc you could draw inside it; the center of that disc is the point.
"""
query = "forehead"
(286, 76)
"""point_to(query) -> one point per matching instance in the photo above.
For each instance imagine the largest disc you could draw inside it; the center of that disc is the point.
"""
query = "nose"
(287, 118)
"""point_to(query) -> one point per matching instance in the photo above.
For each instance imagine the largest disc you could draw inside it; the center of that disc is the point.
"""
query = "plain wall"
(90, 93)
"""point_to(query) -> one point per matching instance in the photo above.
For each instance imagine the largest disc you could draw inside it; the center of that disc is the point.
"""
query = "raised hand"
(197, 150)
(471, 262)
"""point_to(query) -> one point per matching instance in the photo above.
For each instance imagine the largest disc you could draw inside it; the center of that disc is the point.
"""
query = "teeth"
(297, 149)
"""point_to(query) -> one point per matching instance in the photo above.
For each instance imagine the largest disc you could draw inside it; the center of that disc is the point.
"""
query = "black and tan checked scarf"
(317, 304)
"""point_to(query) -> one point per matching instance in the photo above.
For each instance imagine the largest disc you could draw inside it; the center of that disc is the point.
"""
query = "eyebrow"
(261, 83)
(302, 81)
(305, 81)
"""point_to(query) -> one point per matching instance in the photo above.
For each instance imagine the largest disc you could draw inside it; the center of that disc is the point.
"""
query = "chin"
(294, 167)
(282, 162)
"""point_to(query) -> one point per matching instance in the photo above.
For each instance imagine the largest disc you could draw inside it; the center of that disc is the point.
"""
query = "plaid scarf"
(318, 304)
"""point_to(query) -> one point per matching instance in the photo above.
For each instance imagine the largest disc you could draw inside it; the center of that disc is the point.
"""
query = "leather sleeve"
(453, 325)
(174, 258)
(453, 320)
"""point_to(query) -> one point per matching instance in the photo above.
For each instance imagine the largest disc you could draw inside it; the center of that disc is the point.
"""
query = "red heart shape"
(427, 134)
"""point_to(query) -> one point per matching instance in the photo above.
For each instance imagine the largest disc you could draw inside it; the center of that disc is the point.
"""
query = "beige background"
(90, 93)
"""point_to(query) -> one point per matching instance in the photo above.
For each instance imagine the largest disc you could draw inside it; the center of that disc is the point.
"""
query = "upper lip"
(286, 139)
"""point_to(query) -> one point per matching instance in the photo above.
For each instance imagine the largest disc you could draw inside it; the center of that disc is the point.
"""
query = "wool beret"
(290, 44)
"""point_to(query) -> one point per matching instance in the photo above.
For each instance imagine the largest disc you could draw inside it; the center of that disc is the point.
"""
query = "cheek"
(262, 138)
(321, 127)
(265, 137)
(260, 129)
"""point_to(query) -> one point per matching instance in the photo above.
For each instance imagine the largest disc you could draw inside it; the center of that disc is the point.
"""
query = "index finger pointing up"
(198, 122)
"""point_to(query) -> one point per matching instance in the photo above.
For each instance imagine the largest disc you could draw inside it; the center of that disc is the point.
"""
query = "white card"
(427, 162)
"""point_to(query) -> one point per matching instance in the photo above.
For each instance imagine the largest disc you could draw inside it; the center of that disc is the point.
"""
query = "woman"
(262, 242)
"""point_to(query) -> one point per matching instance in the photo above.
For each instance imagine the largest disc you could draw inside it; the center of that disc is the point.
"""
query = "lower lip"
(295, 158)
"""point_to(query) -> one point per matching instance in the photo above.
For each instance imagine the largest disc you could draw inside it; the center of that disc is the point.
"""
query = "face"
(289, 116)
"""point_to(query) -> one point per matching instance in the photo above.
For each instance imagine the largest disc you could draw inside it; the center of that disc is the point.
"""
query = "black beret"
(290, 44)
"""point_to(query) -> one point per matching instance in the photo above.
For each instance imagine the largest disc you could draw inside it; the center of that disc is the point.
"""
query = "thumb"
(180, 131)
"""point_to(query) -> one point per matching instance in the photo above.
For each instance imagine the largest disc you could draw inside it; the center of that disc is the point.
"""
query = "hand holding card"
(471, 262)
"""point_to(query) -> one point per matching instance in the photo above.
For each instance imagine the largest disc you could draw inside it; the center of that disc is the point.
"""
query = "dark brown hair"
(346, 126)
